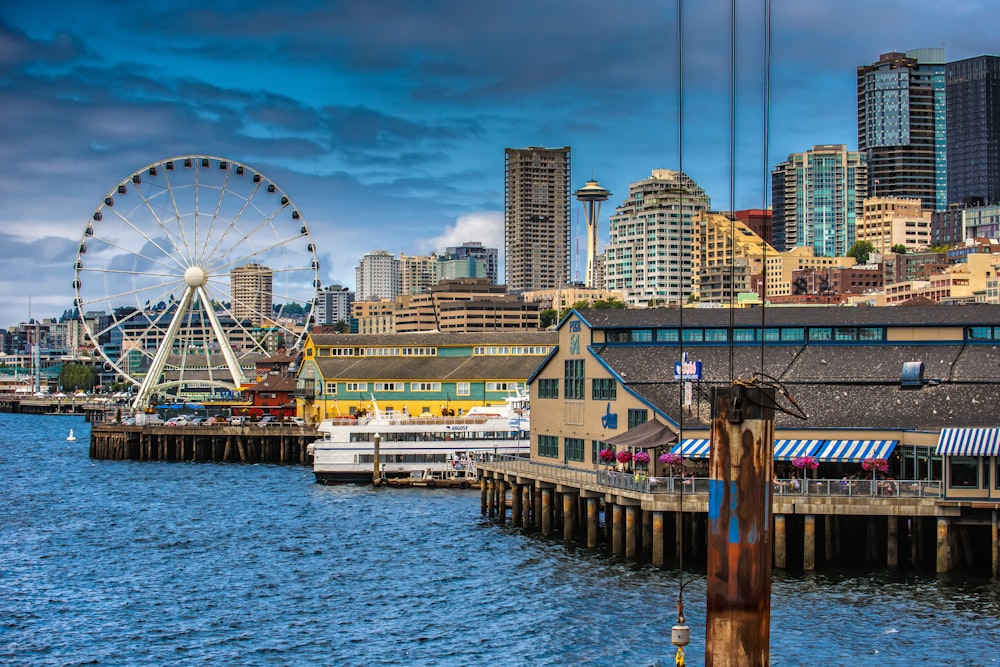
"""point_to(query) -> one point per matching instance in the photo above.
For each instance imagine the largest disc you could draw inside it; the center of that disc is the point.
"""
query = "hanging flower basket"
(671, 459)
(877, 465)
(624, 456)
(803, 462)
(607, 456)
(641, 459)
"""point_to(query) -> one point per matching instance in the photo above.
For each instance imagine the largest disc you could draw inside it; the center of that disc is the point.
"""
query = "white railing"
(641, 483)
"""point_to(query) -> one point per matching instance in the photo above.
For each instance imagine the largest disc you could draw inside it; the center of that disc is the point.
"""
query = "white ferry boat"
(410, 445)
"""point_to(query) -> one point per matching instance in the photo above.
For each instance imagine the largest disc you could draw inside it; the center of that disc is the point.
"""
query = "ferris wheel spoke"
(109, 298)
(232, 262)
(136, 254)
(245, 239)
(159, 221)
(183, 252)
(223, 191)
(233, 224)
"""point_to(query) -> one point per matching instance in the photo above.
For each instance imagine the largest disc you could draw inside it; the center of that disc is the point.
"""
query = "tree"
(77, 376)
(899, 249)
(547, 317)
(861, 251)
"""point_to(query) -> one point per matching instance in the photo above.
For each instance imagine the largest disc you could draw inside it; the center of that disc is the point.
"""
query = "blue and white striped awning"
(693, 449)
(855, 451)
(969, 442)
(786, 450)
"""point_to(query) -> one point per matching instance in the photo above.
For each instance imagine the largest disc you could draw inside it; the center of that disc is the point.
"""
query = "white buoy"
(70, 437)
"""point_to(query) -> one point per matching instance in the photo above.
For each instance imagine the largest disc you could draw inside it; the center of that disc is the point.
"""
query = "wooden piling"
(738, 592)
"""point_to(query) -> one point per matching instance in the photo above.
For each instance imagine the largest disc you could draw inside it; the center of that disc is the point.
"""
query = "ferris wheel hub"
(195, 276)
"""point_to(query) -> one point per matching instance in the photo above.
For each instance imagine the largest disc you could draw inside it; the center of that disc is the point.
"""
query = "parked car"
(179, 420)
(267, 420)
(196, 421)
(237, 421)
(297, 421)
(214, 421)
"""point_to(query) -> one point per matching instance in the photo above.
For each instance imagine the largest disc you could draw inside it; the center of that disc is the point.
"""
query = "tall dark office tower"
(901, 126)
(536, 218)
(973, 87)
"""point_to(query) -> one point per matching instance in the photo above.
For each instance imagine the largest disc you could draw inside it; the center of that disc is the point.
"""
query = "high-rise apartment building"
(333, 304)
(377, 277)
(648, 256)
(726, 257)
(901, 126)
(888, 222)
(816, 198)
(417, 273)
(476, 251)
(252, 293)
(537, 218)
(973, 137)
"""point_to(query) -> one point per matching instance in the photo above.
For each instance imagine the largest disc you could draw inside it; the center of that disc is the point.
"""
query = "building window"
(548, 388)
(595, 451)
(637, 417)
(548, 445)
(574, 449)
(331, 388)
(574, 376)
(389, 386)
(604, 389)
(355, 386)
(964, 472)
(425, 386)
(463, 388)
(499, 386)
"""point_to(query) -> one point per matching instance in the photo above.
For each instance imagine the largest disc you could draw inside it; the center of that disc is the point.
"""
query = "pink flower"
(607, 455)
(641, 458)
(624, 456)
(805, 462)
(671, 459)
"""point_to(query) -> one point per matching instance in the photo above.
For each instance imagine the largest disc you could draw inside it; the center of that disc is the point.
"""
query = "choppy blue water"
(118, 563)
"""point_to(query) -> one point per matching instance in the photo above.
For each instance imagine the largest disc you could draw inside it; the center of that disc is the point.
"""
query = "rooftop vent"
(912, 376)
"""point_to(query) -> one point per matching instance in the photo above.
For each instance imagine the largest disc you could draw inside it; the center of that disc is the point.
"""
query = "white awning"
(693, 448)
(786, 450)
(855, 451)
(969, 442)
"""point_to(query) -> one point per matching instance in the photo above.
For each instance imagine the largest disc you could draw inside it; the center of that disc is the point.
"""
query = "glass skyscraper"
(901, 126)
(973, 87)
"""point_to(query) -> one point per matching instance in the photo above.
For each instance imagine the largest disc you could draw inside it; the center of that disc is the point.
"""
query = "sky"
(385, 121)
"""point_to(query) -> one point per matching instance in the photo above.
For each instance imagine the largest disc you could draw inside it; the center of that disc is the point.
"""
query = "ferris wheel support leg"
(227, 350)
(160, 360)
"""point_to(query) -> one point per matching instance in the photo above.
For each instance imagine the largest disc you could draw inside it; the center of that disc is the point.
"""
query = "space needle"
(592, 195)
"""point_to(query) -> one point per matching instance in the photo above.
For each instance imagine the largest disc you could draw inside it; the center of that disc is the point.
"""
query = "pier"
(824, 523)
(214, 444)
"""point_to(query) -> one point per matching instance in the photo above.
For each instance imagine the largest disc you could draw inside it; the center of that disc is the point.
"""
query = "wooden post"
(592, 510)
(569, 516)
(483, 488)
(515, 505)
(631, 541)
(617, 530)
(892, 543)
(657, 555)
(376, 470)
(526, 495)
(647, 533)
(491, 498)
(738, 591)
(546, 511)
(780, 543)
(809, 543)
(943, 546)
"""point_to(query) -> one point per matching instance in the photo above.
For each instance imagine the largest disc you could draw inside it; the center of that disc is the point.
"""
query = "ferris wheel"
(188, 271)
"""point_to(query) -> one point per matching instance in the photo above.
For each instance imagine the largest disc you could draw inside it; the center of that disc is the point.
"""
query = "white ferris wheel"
(188, 271)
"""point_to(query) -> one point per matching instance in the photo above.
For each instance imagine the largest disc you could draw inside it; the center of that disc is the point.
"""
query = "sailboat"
(70, 437)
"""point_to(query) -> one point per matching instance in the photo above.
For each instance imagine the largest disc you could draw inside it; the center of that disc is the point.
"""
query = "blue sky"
(386, 121)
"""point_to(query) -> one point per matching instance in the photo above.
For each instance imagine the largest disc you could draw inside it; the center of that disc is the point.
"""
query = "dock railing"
(642, 483)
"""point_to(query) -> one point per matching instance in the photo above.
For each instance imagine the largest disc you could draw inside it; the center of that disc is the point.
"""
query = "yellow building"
(780, 267)
(725, 255)
(891, 221)
(343, 374)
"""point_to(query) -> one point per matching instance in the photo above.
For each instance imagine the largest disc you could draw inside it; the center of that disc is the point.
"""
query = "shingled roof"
(835, 385)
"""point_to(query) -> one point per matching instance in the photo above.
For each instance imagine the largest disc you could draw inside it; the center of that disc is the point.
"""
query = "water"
(120, 563)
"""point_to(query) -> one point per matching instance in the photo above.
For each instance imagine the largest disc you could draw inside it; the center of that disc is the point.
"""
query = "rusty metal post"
(656, 554)
(631, 534)
(809, 542)
(569, 516)
(738, 595)
(592, 510)
(546, 511)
